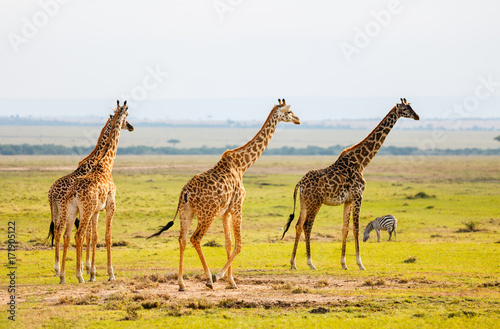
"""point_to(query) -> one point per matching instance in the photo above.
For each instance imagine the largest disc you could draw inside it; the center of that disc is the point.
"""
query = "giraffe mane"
(243, 146)
(105, 150)
(347, 150)
(95, 148)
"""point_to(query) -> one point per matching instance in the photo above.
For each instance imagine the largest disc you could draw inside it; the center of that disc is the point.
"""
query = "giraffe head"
(126, 124)
(122, 113)
(284, 113)
(404, 110)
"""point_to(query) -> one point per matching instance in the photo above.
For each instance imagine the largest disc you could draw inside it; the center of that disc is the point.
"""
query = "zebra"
(388, 222)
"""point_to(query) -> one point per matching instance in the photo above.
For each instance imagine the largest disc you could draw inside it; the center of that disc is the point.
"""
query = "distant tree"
(497, 138)
(173, 141)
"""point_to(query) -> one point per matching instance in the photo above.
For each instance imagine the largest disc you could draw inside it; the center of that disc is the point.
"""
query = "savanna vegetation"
(443, 270)
(52, 149)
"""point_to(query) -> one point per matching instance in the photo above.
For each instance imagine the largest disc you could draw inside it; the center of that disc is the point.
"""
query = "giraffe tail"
(166, 227)
(53, 210)
(292, 215)
(51, 233)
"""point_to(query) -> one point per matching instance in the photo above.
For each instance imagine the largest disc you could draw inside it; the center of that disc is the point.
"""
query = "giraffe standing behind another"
(220, 192)
(91, 194)
(342, 183)
(59, 191)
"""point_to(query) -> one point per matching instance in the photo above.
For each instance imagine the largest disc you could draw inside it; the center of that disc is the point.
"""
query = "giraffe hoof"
(214, 278)
(232, 287)
(182, 288)
(210, 285)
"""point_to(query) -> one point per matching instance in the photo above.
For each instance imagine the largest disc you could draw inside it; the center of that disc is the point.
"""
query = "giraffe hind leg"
(199, 233)
(226, 221)
(299, 227)
(186, 218)
(345, 232)
(311, 215)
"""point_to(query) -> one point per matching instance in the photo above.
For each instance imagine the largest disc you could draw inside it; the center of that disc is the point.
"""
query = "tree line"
(52, 149)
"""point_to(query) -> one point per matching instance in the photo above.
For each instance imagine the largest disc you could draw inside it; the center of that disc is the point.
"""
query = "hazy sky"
(160, 49)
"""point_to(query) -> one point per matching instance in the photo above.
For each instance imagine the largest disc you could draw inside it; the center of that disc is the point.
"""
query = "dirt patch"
(251, 292)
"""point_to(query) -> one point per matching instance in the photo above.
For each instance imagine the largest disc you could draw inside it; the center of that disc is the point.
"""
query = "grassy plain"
(437, 274)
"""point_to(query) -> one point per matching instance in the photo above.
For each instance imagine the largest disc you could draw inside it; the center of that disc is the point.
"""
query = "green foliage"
(470, 226)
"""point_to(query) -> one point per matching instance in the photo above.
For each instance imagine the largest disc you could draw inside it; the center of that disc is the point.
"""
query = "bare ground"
(252, 292)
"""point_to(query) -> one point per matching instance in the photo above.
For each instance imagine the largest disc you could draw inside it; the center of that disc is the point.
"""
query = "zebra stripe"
(388, 223)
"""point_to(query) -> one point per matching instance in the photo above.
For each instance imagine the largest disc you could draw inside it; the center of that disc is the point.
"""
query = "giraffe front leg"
(226, 222)
(355, 220)
(88, 236)
(95, 238)
(110, 212)
(298, 232)
(79, 236)
(236, 215)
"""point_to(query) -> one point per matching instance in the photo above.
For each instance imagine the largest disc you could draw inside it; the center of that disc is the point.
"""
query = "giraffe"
(219, 191)
(59, 191)
(91, 194)
(342, 183)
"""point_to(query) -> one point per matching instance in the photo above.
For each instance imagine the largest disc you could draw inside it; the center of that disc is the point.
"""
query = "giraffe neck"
(366, 150)
(88, 162)
(107, 159)
(245, 156)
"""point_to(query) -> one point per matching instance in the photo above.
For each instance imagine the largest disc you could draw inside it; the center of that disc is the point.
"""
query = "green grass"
(452, 281)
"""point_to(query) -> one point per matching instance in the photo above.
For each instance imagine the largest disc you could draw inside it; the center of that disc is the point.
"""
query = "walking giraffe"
(219, 191)
(59, 191)
(91, 194)
(342, 183)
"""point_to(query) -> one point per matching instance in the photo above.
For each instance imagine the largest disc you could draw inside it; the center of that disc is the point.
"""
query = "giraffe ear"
(398, 106)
